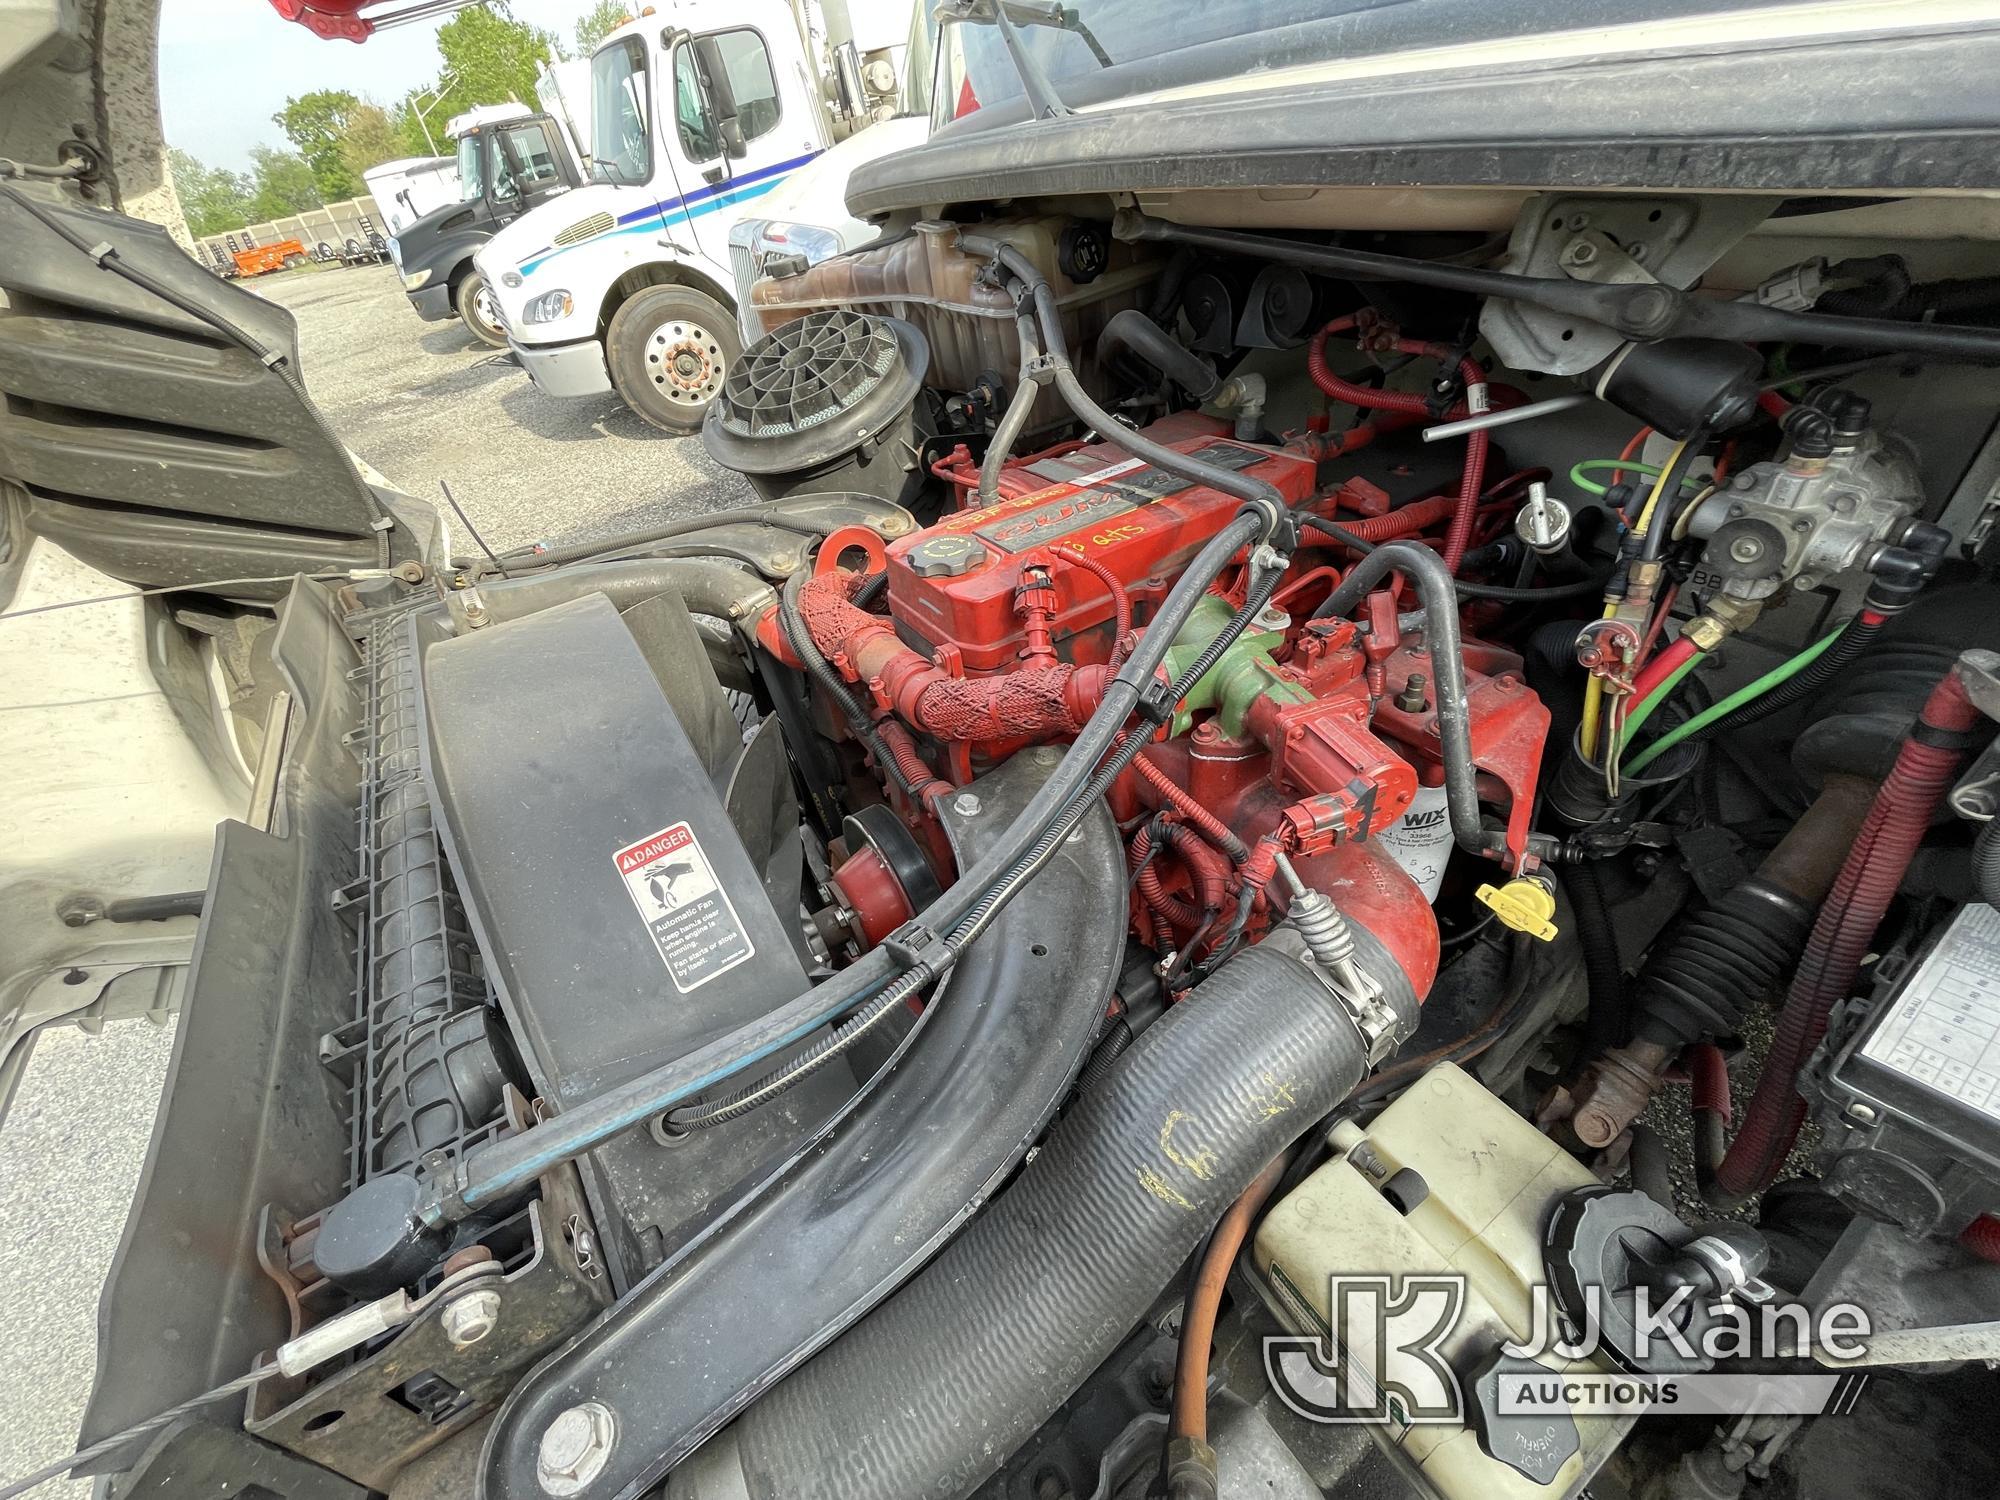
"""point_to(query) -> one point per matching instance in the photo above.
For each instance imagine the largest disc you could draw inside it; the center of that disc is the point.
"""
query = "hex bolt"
(966, 804)
(575, 1448)
(1411, 700)
(468, 1318)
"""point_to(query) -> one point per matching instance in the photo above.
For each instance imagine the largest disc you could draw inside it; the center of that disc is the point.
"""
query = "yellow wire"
(1593, 692)
(1593, 702)
(1667, 469)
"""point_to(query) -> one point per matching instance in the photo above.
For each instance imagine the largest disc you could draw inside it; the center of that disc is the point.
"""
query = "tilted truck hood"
(152, 443)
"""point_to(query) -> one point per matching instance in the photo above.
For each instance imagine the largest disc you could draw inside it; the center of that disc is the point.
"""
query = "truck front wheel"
(668, 349)
(478, 310)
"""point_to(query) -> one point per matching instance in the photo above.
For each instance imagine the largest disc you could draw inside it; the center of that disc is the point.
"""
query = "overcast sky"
(227, 66)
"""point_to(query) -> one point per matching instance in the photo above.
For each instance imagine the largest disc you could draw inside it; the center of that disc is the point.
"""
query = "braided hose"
(1841, 937)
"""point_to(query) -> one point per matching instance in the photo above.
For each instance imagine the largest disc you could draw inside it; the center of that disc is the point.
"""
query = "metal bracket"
(1615, 241)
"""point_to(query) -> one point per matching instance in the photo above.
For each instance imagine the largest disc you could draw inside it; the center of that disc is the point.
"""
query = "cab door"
(742, 120)
(528, 166)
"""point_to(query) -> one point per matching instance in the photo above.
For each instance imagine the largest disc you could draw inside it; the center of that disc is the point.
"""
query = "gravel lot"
(425, 402)
(421, 402)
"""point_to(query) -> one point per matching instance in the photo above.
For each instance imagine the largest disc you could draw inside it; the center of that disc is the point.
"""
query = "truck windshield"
(913, 96)
(618, 148)
(1096, 50)
(471, 178)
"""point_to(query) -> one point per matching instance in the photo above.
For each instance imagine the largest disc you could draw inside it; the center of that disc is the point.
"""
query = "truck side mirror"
(721, 97)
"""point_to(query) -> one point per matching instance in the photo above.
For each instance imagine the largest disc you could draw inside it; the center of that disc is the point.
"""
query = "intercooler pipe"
(1435, 588)
(1925, 767)
(929, 1395)
(718, 589)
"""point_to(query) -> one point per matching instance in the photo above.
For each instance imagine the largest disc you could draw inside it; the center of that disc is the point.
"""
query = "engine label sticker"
(1944, 1029)
(1086, 499)
(684, 906)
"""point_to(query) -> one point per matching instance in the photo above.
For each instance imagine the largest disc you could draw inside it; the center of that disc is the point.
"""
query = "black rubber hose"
(1609, 1021)
(521, 559)
(1830, 665)
(1131, 331)
(930, 1394)
(1652, 1172)
(1014, 419)
(1434, 586)
(1545, 594)
(1986, 863)
(1662, 524)
(1648, 312)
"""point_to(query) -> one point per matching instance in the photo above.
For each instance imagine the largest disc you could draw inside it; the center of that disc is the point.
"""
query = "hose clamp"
(1364, 1004)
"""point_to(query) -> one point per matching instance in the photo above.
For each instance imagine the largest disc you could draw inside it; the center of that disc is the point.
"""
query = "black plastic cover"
(150, 444)
(858, 1210)
(621, 920)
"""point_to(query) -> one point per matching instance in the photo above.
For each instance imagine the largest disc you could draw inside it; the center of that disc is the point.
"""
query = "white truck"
(699, 110)
(404, 191)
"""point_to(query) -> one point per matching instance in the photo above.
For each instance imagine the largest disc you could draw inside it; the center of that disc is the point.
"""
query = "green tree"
(282, 184)
(489, 58)
(597, 23)
(369, 138)
(213, 200)
(315, 123)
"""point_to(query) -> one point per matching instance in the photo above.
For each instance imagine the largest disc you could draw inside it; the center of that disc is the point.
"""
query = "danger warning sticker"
(684, 906)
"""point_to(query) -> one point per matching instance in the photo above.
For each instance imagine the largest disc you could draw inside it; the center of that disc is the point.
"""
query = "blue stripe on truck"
(683, 210)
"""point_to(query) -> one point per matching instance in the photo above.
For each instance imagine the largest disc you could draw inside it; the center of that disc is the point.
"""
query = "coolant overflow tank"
(1447, 1183)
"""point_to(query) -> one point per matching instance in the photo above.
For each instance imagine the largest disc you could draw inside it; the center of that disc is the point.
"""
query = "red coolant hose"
(1840, 939)
(1459, 537)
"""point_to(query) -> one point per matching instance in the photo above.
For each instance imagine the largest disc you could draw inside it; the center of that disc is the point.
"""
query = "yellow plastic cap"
(1524, 905)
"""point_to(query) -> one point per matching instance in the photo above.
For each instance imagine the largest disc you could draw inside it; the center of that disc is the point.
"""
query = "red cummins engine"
(1314, 738)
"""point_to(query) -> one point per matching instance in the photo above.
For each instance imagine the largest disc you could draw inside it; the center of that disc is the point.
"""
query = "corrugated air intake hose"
(930, 1394)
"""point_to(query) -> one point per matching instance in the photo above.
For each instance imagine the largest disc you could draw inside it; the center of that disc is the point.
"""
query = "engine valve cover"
(953, 586)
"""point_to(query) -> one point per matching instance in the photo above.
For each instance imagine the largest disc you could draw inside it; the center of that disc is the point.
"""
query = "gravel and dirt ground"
(421, 402)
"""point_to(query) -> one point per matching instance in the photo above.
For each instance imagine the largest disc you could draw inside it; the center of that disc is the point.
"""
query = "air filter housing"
(829, 401)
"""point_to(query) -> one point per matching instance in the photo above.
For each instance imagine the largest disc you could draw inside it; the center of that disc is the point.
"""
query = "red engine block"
(951, 588)
(992, 643)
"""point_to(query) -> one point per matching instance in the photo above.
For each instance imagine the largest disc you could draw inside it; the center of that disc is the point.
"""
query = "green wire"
(1636, 720)
(1651, 471)
(1783, 672)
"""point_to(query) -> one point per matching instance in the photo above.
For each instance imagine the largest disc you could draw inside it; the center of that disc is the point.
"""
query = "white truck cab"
(699, 109)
